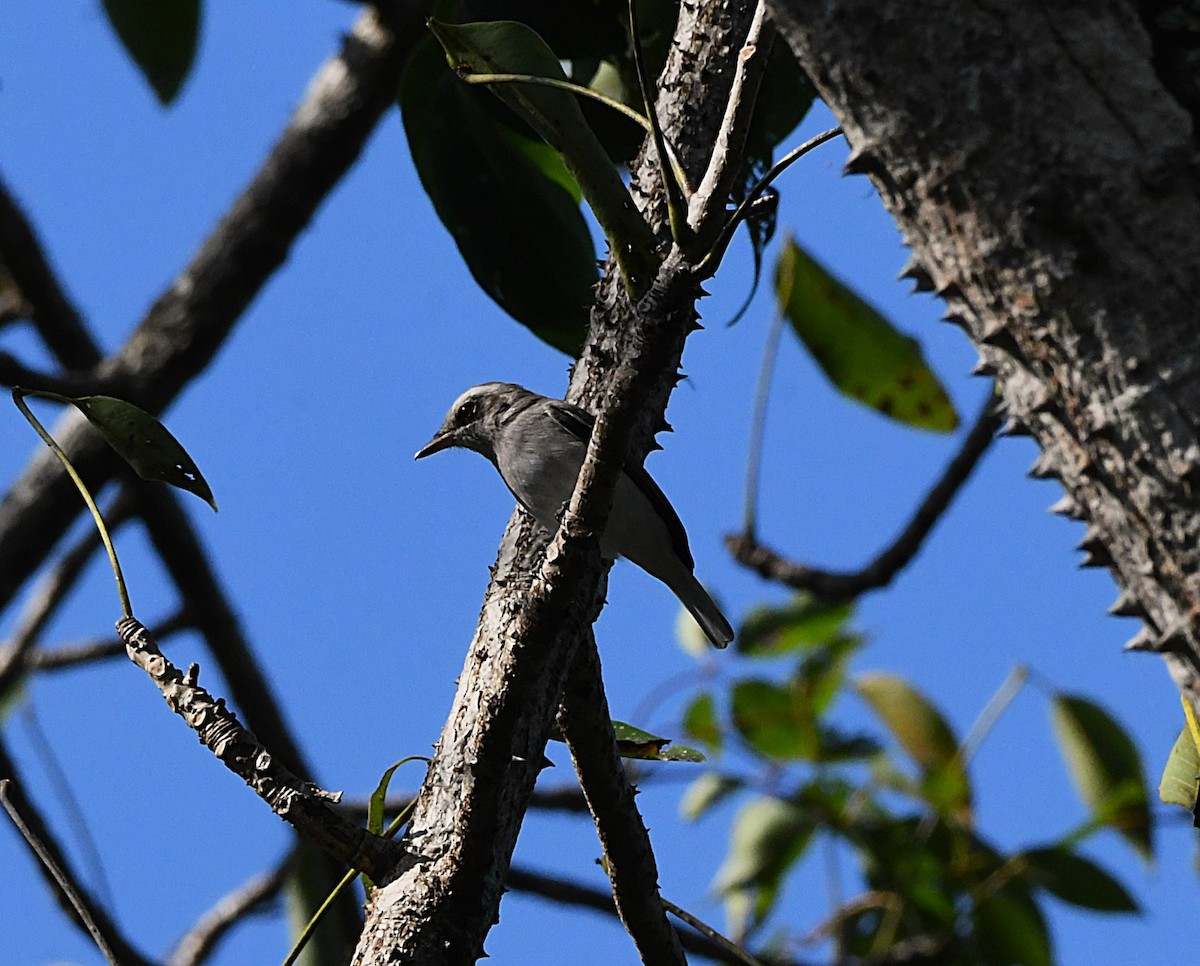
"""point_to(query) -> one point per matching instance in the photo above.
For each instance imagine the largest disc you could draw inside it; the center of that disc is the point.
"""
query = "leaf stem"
(19, 395)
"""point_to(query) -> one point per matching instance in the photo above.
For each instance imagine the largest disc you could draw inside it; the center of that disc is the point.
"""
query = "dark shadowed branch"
(839, 585)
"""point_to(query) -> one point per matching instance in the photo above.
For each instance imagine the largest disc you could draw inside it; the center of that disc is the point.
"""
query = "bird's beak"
(443, 439)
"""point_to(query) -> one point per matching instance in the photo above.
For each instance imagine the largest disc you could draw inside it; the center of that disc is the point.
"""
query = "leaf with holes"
(145, 444)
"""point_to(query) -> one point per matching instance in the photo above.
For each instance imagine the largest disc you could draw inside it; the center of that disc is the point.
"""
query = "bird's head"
(476, 418)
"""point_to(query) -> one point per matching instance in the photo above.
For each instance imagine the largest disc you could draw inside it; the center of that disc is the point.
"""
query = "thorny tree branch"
(840, 586)
(447, 891)
(587, 725)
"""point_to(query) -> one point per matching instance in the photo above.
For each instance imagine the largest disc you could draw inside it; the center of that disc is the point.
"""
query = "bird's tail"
(705, 611)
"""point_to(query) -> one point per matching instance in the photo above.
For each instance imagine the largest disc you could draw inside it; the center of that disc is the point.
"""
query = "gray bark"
(1041, 161)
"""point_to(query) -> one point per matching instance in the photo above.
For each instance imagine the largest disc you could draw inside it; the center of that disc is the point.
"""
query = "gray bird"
(538, 445)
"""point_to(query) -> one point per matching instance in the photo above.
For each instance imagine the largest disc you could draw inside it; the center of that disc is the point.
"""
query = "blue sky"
(359, 573)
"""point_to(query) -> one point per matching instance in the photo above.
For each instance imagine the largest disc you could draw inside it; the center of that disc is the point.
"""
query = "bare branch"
(58, 321)
(67, 656)
(298, 802)
(835, 585)
(189, 322)
(248, 899)
(56, 868)
(585, 722)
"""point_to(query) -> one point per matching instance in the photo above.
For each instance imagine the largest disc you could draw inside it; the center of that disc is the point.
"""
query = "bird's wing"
(579, 422)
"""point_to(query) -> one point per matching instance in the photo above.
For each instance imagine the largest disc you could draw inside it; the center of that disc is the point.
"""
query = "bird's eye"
(466, 412)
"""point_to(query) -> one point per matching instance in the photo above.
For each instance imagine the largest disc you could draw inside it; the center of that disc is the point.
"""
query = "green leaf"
(769, 835)
(1180, 782)
(772, 721)
(806, 621)
(1077, 880)
(1105, 767)
(925, 735)
(161, 37)
(504, 201)
(778, 721)
(705, 792)
(635, 743)
(145, 444)
(509, 47)
(858, 349)
(1010, 929)
(700, 721)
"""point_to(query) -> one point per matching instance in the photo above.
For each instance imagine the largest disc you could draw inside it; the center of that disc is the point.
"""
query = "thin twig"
(57, 869)
(758, 424)
(246, 900)
(64, 882)
(734, 951)
(67, 656)
(60, 785)
(836, 585)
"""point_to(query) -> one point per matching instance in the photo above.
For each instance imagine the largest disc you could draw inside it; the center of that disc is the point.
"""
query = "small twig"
(60, 786)
(52, 861)
(723, 164)
(569, 893)
(50, 593)
(996, 706)
(677, 205)
(562, 85)
(733, 949)
(297, 802)
(246, 900)
(836, 585)
(712, 261)
(67, 656)
(13, 372)
(758, 424)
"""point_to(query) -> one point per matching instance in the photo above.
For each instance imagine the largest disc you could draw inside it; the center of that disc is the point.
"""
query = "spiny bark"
(1044, 174)
(446, 895)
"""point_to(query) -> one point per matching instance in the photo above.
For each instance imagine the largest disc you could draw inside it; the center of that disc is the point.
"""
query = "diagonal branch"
(838, 585)
(189, 322)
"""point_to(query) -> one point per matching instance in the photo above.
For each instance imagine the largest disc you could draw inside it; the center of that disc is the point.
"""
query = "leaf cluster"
(898, 799)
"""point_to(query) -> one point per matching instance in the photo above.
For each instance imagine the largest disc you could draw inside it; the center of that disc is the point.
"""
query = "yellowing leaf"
(859, 350)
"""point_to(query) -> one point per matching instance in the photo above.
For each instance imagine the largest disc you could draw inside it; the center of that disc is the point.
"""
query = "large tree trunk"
(1041, 160)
